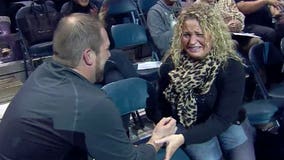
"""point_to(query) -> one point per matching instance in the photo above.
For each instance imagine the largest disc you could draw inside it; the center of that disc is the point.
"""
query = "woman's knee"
(209, 150)
(237, 142)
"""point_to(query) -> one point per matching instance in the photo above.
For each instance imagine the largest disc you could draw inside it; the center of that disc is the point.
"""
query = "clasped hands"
(164, 133)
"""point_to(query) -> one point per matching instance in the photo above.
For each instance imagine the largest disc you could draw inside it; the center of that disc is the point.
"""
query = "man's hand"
(234, 25)
(274, 3)
(173, 143)
(166, 126)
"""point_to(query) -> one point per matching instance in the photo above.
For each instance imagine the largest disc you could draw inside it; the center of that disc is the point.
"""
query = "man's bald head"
(73, 35)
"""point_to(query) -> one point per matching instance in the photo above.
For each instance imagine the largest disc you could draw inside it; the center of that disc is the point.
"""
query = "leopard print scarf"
(188, 79)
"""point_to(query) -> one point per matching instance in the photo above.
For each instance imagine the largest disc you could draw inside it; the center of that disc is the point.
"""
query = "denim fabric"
(209, 150)
(266, 33)
(232, 137)
(226, 142)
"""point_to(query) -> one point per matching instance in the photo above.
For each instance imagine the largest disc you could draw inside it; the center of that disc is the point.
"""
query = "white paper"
(148, 65)
(3, 108)
(246, 34)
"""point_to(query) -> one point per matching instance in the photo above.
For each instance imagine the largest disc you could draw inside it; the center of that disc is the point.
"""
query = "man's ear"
(88, 56)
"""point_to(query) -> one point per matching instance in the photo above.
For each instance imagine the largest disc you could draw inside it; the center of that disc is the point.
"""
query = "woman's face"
(194, 42)
(82, 3)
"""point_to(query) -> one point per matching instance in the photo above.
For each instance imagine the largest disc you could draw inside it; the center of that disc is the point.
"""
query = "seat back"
(131, 36)
(260, 111)
(266, 62)
(145, 5)
(120, 8)
(128, 35)
(64, 8)
(128, 95)
(282, 45)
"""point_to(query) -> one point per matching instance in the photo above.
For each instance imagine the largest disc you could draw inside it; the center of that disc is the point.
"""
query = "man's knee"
(270, 35)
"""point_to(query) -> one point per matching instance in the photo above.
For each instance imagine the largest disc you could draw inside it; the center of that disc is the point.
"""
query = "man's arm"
(165, 127)
(107, 139)
(248, 7)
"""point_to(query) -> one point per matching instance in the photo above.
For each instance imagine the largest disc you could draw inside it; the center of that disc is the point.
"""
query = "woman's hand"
(173, 142)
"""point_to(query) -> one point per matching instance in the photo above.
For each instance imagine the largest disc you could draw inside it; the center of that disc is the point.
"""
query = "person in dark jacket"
(93, 7)
(202, 85)
(258, 19)
(60, 114)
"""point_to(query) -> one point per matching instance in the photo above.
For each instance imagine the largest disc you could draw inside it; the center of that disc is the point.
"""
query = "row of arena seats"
(126, 36)
(265, 65)
(37, 22)
(134, 35)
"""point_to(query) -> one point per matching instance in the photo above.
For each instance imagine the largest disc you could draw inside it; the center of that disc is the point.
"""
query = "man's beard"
(99, 75)
(99, 71)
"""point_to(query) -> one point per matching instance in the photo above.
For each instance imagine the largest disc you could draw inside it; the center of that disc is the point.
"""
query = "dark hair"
(39, 1)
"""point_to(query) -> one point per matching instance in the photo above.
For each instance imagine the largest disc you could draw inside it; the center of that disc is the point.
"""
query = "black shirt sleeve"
(163, 107)
(106, 137)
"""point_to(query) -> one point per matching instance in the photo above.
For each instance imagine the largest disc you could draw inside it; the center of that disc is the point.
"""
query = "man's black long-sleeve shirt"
(58, 114)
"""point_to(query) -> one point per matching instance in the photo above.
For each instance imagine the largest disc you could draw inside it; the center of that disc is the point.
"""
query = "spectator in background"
(82, 6)
(235, 21)
(58, 4)
(60, 114)
(160, 20)
(202, 84)
(277, 13)
(258, 19)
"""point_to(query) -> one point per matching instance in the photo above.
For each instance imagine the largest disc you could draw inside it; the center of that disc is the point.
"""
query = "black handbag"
(39, 24)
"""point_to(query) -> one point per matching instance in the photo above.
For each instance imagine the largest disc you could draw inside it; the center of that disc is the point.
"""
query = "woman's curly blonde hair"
(212, 23)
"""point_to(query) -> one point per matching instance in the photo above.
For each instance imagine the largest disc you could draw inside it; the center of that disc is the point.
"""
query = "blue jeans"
(234, 144)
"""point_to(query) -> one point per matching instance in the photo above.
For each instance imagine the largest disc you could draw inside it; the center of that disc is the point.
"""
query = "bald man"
(59, 113)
